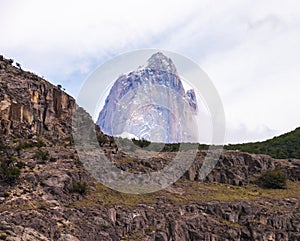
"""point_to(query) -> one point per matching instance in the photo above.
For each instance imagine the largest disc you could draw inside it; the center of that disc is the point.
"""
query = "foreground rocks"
(162, 220)
(43, 205)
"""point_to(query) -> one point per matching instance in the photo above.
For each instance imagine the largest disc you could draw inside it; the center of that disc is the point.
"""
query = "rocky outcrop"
(151, 103)
(232, 167)
(241, 168)
(31, 106)
(164, 221)
(17, 233)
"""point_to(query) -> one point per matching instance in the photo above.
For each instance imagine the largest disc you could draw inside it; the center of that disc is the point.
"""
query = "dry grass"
(189, 192)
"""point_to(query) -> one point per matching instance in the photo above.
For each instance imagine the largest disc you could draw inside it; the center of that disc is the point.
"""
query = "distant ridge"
(282, 147)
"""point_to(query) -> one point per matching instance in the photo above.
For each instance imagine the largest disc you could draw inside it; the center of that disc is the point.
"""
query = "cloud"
(241, 133)
(258, 77)
(63, 32)
(250, 48)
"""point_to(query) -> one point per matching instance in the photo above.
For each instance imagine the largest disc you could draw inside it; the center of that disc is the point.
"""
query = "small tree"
(275, 179)
(18, 65)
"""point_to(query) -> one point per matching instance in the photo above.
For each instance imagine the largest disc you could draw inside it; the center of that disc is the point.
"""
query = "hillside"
(46, 193)
(283, 146)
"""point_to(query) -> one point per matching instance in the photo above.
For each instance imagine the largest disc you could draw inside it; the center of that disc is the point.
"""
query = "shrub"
(20, 164)
(101, 139)
(18, 65)
(44, 155)
(10, 169)
(27, 145)
(275, 179)
(42, 207)
(10, 174)
(40, 144)
(80, 187)
(10, 61)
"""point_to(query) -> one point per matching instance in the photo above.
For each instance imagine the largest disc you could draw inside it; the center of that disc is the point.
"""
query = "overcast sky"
(249, 49)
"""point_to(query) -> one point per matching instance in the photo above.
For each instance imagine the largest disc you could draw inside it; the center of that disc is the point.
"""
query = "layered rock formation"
(151, 103)
(31, 106)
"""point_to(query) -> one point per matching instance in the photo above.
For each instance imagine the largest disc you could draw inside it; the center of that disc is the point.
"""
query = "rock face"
(31, 106)
(151, 103)
(233, 167)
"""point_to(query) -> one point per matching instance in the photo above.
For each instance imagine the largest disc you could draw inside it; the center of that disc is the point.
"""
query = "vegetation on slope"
(10, 167)
(282, 147)
(185, 192)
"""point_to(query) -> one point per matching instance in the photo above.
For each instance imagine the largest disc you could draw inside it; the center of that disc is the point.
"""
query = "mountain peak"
(151, 104)
(159, 61)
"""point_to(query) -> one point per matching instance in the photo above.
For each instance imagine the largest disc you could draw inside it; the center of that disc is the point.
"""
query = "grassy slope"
(184, 192)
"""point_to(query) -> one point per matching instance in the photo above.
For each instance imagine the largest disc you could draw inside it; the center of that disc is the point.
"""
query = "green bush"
(28, 145)
(20, 164)
(39, 144)
(9, 174)
(101, 139)
(44, 155)
(274, 179)
(80, 187)
(25, 145)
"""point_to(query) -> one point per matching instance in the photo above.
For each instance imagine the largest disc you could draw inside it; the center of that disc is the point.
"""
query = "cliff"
(31, 106)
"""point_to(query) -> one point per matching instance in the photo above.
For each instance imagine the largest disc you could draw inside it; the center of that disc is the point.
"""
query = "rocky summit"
(151, 103)
(46, 193)
(32, 107)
